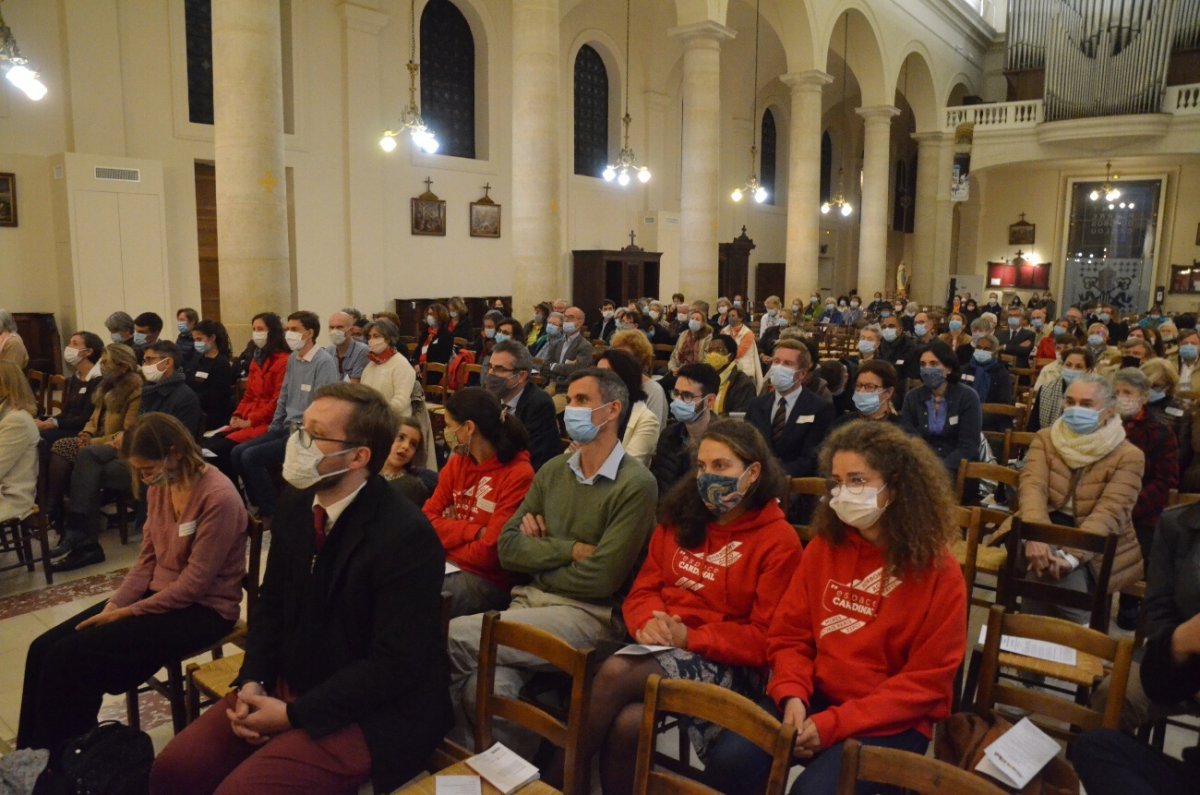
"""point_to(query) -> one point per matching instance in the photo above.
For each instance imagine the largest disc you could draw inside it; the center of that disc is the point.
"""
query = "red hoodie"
(470, 497)
(886, 664)
(725, 590)
(261, 395)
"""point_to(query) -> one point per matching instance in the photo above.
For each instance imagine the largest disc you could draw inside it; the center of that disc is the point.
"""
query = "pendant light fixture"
(1108, 190)
(410, 119)
(626, 161)
(839, 201)
(752, 186)
(16, 67)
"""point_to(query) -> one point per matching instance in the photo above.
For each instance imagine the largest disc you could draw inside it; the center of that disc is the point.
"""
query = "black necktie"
(780, 420)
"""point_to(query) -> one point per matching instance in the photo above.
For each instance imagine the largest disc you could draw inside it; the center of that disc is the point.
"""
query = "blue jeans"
(735, 765)
(255, 460)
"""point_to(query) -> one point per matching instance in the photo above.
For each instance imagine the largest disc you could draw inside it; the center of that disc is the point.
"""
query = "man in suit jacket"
(606, 326)
(567, 352)
(792, 419)
(1016, 337)
(345, 677)
(507, 378)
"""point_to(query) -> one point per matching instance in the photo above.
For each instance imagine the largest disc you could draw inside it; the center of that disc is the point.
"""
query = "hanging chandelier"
(839, 201)
(1108, 190)
(752, 187)
(410, 117)
(16, 67)
(626, 161)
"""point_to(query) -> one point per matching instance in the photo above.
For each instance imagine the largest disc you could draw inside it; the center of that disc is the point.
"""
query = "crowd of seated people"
(593, 486)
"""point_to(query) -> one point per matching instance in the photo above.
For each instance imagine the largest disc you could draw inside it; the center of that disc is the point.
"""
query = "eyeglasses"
(869, 388)
(495, 369)
(686, 396)
(855, 485)
(305, 437)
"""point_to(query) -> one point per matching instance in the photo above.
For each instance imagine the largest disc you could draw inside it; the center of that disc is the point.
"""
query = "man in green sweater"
(577, 535)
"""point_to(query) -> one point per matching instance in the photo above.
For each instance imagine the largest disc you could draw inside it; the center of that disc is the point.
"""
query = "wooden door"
(206, 237)
(768, 280)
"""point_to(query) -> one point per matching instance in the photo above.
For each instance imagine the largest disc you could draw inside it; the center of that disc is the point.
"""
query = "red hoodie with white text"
(882, 650)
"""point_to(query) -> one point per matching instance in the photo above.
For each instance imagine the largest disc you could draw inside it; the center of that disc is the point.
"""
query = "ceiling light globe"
(760, 195)
(736, 195)
(1094, 195)
(431, 145)
(846, 210)
(387, 143)
(609, 174)
(1111, 206)
(825, 208)
(1113, 195)
(623, 179)
(643, 175)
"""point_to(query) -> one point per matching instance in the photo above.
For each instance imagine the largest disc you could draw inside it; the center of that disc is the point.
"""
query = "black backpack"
(111, 759)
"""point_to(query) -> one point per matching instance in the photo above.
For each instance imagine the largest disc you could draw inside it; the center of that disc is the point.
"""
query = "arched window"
(448, 78)
(826, 167)
(591, 113)
(766, 175)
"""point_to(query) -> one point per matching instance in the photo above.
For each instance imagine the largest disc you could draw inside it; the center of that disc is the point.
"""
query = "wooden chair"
(460, 342)
(978, 470)
(434, 393)
(1175, 497)
(1088, 644)
(1019, 443)
(713, 704)
(477, 371)
(1016, 413)
(909, 771)
(37, 383)
(1024, 375)
(578, 664)
(18, 535)
(57, 385)
(211, 679)
(808, 487)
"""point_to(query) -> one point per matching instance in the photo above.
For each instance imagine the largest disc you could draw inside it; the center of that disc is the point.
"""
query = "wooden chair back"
(1019, 443)
(1175, 497)
(37, 383)
(717, 705)
(808, 487)
(57, 385)
(575, 663)
(978, 470)
(1117, 653)
(1024, 375)
(1016, 413)
(968, 521)
(477, 371)
(433, 367)
(1015, 585)
(460, 342)
(910, 772)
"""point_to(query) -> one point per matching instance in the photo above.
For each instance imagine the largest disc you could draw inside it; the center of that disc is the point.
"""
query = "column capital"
(931, 137)
(361, 18)
(878, 113)
(813, 80)
(702, 34)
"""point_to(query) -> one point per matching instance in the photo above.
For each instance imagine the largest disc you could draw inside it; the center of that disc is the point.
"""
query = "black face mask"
(1131, 361)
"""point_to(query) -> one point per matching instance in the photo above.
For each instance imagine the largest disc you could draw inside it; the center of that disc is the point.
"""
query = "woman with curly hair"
(867, 639)
(715, 570)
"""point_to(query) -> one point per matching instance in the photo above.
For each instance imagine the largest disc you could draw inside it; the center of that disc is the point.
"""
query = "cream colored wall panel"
(99, 274)
(142, 261)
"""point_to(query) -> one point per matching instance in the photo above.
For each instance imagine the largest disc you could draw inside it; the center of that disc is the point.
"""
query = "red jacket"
(725, 590)
(885, 664)
(260, 397)
(471, 497)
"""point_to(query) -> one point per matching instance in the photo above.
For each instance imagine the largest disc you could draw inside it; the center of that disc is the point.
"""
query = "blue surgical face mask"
(1014, 322)
(569, 328)
(1104, 317)
(889, 334)
(1037, 323)
(553, 330)
(933, 377)
(502, 337)
(116, 337)
(1069, 376)
(1081, 419)
(578, 420)
(955, 325)
(920, 329)
(685, 411)
(139, 338)
(202, 347)
(867, 403)
(182, 326)
(782, 378)
(720, 493)
(1059, 331)
(885, 313)
(1157, 395)
(490, 333)
(865, 347)
(1095, 340)
(982, 357)
(695, 326)
(1188, 351)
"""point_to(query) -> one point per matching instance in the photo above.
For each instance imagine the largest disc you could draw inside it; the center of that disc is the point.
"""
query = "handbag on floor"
(111, 759)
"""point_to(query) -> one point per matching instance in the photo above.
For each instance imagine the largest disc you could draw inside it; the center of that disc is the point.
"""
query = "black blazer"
(536, 412)
(808, 424)
(356, 631)
(442, 347)
(77, 405)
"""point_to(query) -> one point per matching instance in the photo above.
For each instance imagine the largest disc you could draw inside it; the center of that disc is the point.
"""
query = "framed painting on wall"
(485, 216)
(8, 199)
(428, 213)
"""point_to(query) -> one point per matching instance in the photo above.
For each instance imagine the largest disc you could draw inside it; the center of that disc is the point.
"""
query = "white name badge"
(804, 419)
(899, 362)
(1174, 411)
(953, 420)
(187, 529)
(201, 375)
(83, 390)
(306, 387)
(968, 378)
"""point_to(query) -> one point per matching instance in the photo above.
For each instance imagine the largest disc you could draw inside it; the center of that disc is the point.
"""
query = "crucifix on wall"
(428, 213)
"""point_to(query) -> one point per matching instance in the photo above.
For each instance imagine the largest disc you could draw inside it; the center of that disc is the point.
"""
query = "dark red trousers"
(207, 758)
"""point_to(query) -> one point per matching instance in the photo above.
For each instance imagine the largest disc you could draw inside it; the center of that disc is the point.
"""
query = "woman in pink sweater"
(182, 595)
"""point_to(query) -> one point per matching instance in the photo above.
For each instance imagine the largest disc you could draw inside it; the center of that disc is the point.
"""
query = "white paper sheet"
(504, 769)
(212, 433)
(640, 649)
(451, 568)
(206, 453)
(1018, 754)
(458, 785)
(1038, 649)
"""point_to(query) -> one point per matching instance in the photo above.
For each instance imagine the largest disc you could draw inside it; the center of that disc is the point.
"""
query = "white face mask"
(377, 345)
(72, 355)
(295, 340)
(151, 373)
(337, 336)
(259, 337)
(857, 510)
(300, 463)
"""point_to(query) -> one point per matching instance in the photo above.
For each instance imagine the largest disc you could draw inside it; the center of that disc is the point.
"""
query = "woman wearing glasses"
(714, 572)
(867, 639)
(874, 394)
(479, 489)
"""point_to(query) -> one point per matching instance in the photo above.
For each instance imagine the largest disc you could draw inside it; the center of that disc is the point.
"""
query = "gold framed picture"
(428, 213)
(8, 199)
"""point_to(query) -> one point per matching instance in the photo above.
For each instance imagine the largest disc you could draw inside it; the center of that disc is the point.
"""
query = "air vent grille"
(119, 174)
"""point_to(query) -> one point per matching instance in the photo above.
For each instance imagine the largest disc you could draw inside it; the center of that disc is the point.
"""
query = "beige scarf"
(1082, 449)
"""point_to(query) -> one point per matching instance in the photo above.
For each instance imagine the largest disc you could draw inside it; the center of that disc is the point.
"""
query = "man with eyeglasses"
(344, 678)
(692, 403)
(507, 377)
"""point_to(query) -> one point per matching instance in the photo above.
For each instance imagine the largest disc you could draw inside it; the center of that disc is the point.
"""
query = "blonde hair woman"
(12, 347)
(638, 346)
(18, 444)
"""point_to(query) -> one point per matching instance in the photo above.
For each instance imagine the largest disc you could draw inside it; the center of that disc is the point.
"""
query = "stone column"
(536, 162)
(700, 193)
(925, 224)
(804, 184)
(252, 225)
(872, 230)
(365, 118)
